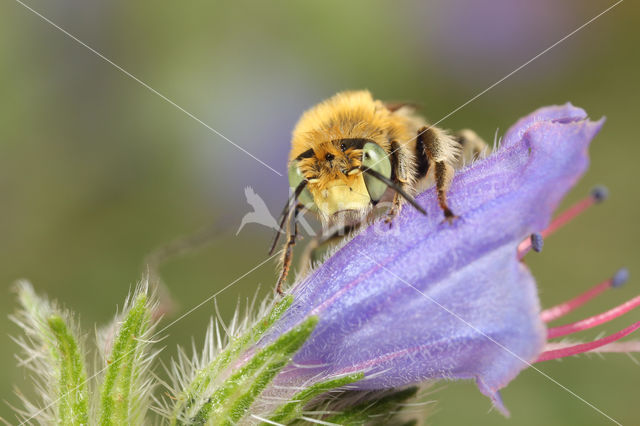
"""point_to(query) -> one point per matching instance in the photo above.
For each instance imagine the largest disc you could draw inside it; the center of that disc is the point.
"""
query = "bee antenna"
(285, 213)
(395, 187)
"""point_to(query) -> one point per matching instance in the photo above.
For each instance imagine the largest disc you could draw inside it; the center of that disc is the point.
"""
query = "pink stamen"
(597, 195)
(562, 309)
(626, 347)
(586, 347)
(593, 321)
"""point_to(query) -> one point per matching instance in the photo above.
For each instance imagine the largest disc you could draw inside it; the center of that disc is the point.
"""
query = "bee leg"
(444, 174)
(307, 256)
(473, 147)
(314, 251)
(395, 208)
(287, 253)
(399, 159)
(441, 150)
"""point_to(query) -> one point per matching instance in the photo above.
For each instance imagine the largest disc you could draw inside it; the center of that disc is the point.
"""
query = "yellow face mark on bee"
(341, 194)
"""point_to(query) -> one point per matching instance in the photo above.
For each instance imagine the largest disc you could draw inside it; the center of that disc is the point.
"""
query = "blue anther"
(537, 242)
(620, 277)
(599, 193)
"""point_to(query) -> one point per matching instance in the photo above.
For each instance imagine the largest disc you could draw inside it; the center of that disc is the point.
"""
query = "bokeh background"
(96, 171)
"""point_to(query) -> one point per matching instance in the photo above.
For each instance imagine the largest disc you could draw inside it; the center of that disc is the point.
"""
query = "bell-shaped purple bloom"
(431, 300)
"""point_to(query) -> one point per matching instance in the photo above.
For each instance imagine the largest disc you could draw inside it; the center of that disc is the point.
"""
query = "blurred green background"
(96, 171)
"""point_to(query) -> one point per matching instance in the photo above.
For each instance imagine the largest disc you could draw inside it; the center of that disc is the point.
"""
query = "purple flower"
(431, 300)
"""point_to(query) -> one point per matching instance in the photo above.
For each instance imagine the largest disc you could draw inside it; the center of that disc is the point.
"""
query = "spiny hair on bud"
(39, 355)
(134, 322)
(54, 351)
(193, 372)
(382, 407)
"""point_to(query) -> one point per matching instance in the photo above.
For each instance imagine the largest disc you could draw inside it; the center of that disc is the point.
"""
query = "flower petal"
(429, 300)
(566, 113)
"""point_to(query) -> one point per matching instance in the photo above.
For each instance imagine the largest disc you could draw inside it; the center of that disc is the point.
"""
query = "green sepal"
(115, 397)
(57, 346)
(293, 409)
(230, 402)
(372, 409)
(73, 407)
(203, 379)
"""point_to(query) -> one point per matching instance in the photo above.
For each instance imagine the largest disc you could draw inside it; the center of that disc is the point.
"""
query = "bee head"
(335, 182)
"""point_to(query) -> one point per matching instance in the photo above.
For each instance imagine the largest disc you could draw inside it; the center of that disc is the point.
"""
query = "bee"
(352, 152)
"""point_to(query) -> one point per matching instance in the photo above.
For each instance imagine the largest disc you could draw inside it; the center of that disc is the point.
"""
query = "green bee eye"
(295, 177)
(375, 158)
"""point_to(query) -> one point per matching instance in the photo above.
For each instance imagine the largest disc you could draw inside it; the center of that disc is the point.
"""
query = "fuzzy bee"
(351, 152)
